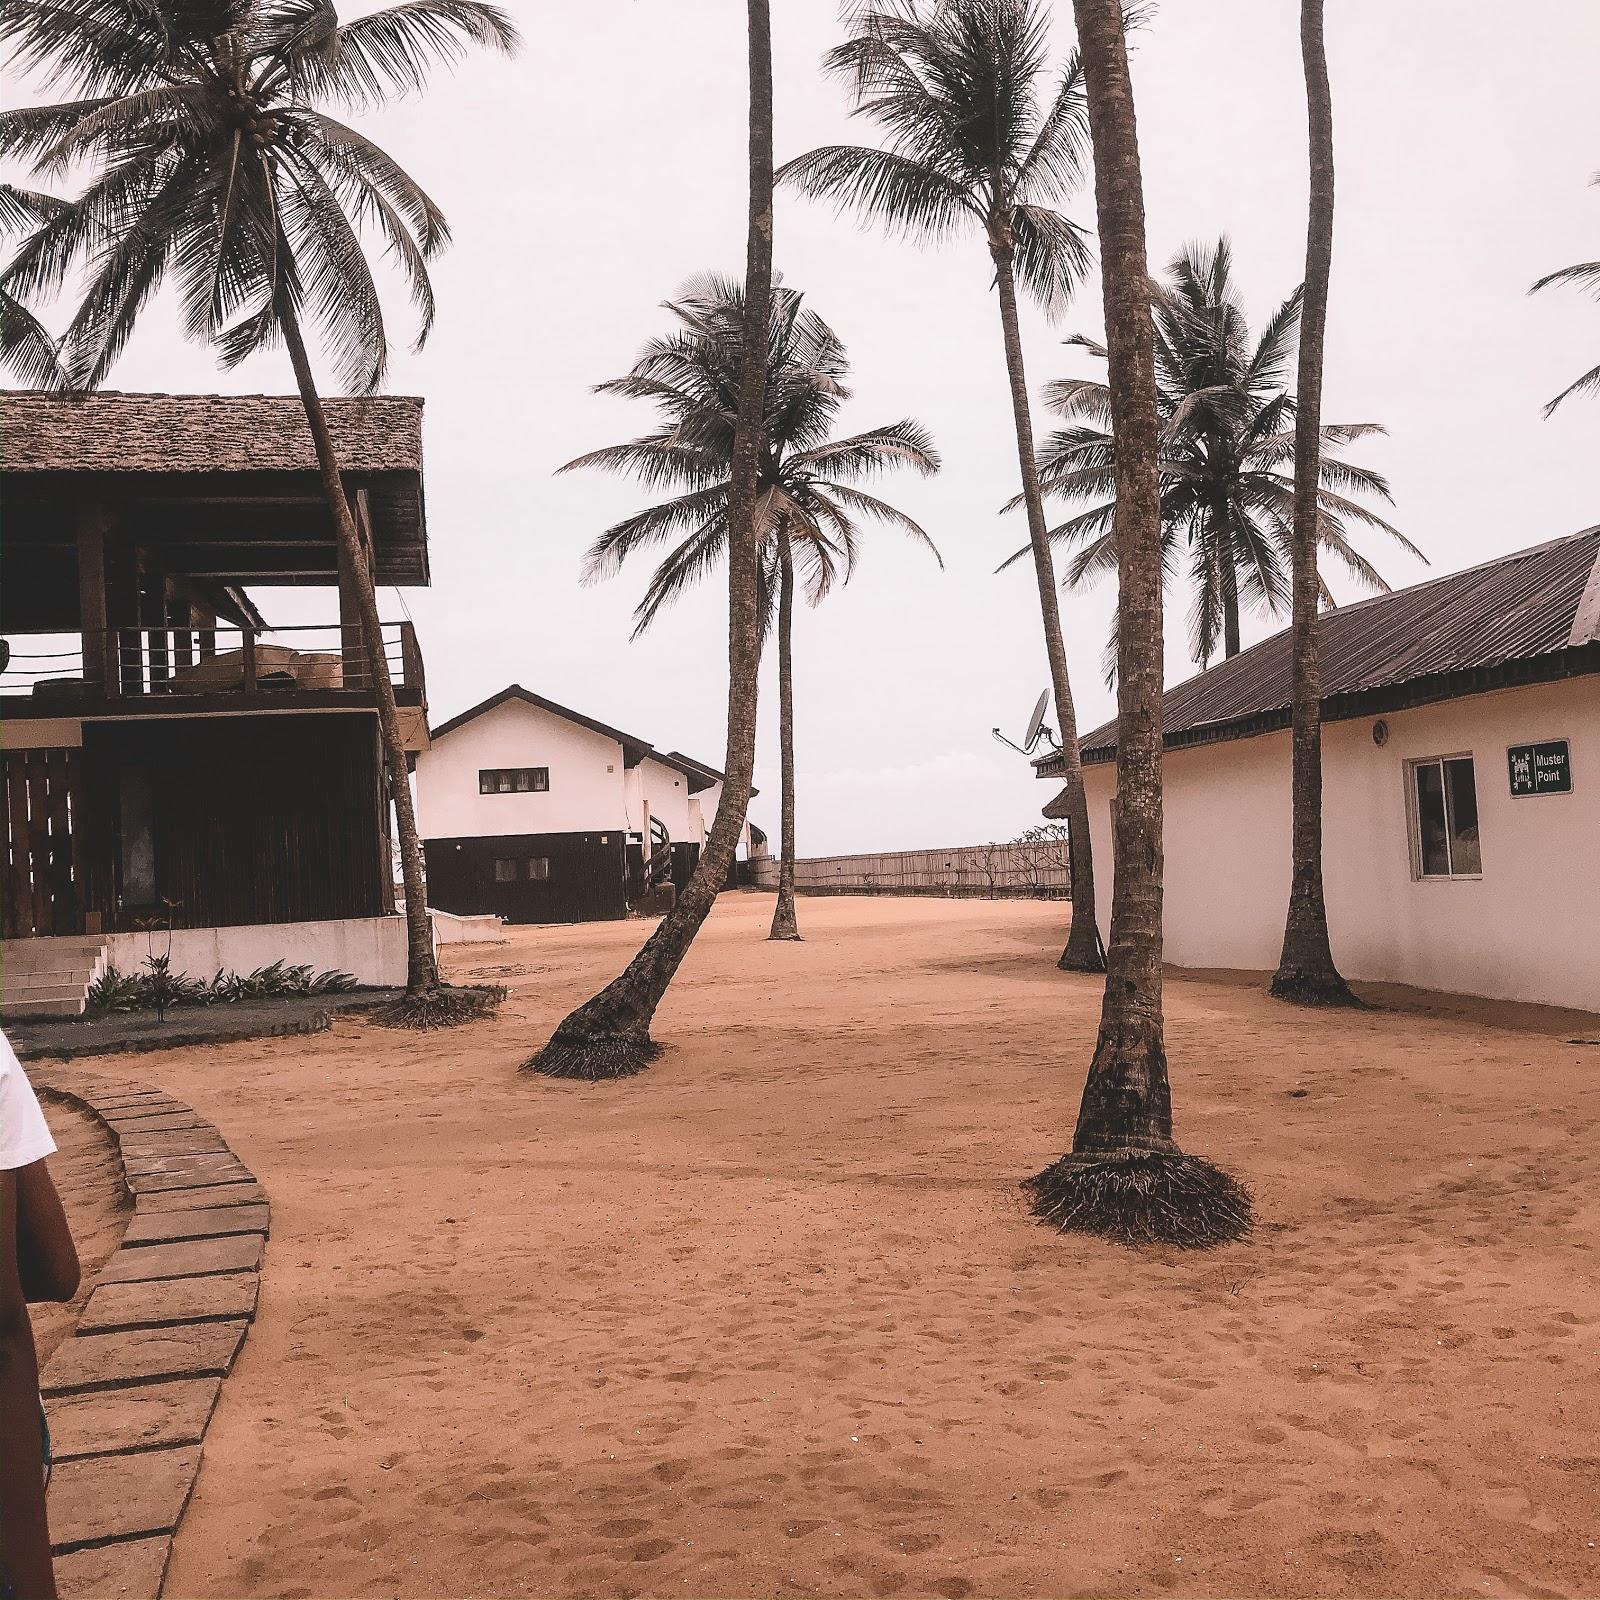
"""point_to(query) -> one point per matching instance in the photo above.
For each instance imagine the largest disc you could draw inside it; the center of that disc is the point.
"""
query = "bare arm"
(47, 1259)
(24, 1532)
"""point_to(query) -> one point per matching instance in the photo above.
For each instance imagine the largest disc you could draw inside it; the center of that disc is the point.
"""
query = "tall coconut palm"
(1586, 274)
(809, 502)
(608, 1036)
(1306, 969)
(1226, 422)
(972, 146)
(1125, 1175)
(213, 162)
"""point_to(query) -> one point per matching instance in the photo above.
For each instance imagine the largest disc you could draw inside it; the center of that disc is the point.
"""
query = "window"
(505, 870)
(513, 780)
(1444, 806)
(538, 869)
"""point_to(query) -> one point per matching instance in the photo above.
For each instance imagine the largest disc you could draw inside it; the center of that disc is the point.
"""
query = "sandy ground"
(771, 1318)
(89, 1181)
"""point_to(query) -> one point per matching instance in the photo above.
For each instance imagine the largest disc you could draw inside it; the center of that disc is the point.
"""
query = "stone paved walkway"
(130, 1394)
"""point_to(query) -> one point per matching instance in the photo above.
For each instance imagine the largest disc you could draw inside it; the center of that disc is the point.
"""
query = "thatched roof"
(115, 432)
(1529, 617)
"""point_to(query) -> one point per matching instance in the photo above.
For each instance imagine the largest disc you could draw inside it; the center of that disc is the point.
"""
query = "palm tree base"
(443, 1006)
(593, 1058)
(1072, 961)
(1143, 1197)
(1313, 986)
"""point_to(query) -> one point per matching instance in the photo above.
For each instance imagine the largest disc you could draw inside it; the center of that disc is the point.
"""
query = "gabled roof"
(634, 750)
(1529, 617)
(111, 431)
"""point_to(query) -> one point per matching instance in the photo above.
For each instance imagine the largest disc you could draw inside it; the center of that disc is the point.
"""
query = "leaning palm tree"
(1586, 274)
(954, 84)
(1226, 431)
(608, 1036)
(809, 499)
(214, 162)
(1306, 970)
(1125, 1176)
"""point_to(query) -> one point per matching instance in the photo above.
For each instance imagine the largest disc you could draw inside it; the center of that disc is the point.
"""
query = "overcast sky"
(586, 180)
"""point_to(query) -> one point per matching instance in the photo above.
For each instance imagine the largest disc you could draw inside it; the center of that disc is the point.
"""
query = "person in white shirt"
(37, 1262)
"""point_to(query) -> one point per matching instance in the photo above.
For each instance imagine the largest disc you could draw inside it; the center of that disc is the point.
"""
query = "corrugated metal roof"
(1510, 620)
(110, 431)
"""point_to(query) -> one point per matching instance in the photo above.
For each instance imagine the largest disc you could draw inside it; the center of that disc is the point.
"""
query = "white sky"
(586, 180)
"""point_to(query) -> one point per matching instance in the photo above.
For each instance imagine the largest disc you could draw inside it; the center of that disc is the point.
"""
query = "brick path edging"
(130, 1393)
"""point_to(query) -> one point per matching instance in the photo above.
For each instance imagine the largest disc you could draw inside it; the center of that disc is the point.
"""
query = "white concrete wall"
(1527, 929)
(370, 949)
(482, 928)
(667, 792)
(586, 777)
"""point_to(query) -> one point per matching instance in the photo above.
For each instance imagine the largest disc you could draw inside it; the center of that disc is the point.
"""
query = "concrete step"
(11, 978)
(13, 1010)
(48, 977)
(72, 987)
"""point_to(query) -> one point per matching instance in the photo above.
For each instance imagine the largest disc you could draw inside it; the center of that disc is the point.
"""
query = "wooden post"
(247, 643)
(99, 647)
(352, 646)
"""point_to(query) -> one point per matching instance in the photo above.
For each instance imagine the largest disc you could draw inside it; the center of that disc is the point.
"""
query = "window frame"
(490, 780)
(1411, 768)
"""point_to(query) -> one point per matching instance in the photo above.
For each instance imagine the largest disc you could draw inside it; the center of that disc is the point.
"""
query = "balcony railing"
(174, 662)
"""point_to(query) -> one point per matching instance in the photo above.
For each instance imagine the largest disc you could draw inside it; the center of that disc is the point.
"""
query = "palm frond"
(905, 196)
(393, 51)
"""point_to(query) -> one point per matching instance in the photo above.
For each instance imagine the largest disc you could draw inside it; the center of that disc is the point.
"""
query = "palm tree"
(608, 1036)
(215, 163)
(1225, 423)
(808, 495)
(25, 343)
(1306, 970)
(1586, 274)
(954, 84)
(1125, 1176)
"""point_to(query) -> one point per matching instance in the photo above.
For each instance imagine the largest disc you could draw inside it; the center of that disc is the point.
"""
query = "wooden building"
(168, 754)
(534, 812)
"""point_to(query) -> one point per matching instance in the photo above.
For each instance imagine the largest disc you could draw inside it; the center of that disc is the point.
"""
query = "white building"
(1461, 799)
(536, 813)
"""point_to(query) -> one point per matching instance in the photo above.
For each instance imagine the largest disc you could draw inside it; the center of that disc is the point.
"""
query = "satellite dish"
(1036, 721)
(1036, 728)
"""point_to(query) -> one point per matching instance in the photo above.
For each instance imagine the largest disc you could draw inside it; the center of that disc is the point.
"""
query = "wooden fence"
(1024, 869)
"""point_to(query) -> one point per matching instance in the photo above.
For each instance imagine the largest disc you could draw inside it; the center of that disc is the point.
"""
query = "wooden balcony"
(212, 669)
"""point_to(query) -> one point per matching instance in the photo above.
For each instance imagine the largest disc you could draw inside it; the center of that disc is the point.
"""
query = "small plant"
(158, 988)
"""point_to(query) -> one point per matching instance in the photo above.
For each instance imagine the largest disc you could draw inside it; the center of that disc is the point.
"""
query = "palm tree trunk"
(1306, 971)
(422, 972)
(1082, 953)
(1230, 606)
(784, 925)
(609, 1036)
(1125, 1176)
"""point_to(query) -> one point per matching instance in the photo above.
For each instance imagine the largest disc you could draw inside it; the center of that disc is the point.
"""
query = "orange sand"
(771, 1318)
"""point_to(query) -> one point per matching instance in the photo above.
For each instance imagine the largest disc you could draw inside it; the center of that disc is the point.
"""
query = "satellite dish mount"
(1037, 729)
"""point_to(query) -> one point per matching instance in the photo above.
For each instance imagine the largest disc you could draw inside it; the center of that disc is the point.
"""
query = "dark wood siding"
(41, 796)
(587, 880)
(253, 819)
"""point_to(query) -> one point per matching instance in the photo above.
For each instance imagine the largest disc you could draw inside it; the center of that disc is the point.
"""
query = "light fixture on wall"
(1380, 732)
